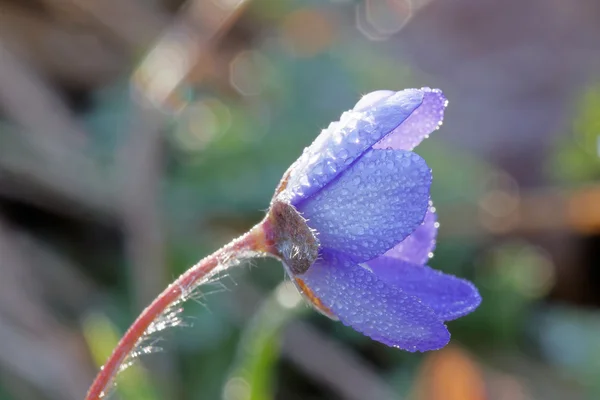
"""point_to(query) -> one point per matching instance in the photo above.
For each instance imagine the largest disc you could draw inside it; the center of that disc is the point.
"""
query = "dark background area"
(136, 137)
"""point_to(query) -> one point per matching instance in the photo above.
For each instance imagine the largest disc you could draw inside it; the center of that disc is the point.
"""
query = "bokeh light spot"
(380, 19)
(526, 269)
(449, 374)
(246, 71)
(200, 123)
(287, 295)
(499, 206)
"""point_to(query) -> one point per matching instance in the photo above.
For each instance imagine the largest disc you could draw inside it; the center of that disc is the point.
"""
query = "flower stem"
(249, 245)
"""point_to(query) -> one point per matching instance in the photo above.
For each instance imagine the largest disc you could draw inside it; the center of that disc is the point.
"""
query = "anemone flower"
(358, 201)
(353, 223)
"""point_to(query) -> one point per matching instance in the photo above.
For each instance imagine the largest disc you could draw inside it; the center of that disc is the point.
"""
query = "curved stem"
(251, 244)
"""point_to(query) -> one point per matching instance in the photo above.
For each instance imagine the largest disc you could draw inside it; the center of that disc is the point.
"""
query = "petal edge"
(378, 310)
(418, 247)
(448, 296)
(426, 119)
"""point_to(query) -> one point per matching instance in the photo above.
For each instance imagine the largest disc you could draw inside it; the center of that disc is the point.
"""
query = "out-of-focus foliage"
(254, 369)
(132, 383)
(578, 157)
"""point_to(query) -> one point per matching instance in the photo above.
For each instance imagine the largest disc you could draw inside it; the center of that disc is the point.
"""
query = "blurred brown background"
(138, 136)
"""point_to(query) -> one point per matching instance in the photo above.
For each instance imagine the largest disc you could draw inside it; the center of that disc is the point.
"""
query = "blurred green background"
(139, 136)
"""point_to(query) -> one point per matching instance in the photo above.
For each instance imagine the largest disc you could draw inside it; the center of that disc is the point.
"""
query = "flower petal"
(448, 296)
(422, 122)
(344, 141)
(418, 247)
(376, 203)
(372, 99)
(376, 309)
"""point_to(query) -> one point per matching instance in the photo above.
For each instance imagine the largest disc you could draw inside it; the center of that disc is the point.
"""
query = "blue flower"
(363, 199)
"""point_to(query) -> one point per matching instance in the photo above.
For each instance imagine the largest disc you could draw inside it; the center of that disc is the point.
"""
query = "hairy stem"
(249, 245)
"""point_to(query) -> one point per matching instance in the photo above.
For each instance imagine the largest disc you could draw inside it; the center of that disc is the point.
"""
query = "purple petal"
(418, 247)
(376, 203)
(422, 122)
(370, 100)
(376, 309)
(448, 296)
(344, 141)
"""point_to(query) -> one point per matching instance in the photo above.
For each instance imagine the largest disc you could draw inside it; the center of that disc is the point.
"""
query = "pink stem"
(251, 243)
